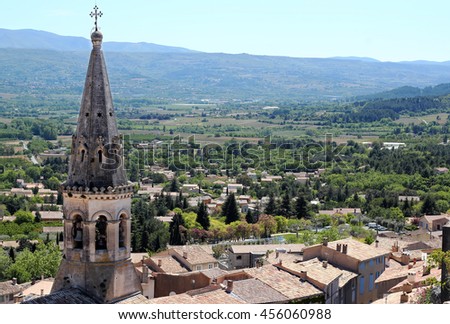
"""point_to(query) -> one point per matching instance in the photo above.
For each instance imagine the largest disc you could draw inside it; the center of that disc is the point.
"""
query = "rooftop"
(358, 250)
(315, 270)
(285, 283)
(8, 288)
(195, 254)
(213, 295)
(292, 248)
(68, 296)
(254, 291)
(167, 264)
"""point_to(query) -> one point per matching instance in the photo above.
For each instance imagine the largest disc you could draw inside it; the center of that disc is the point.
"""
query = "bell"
(79, 236)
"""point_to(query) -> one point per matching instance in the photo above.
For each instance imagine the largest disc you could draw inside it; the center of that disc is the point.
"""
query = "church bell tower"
(97, 196)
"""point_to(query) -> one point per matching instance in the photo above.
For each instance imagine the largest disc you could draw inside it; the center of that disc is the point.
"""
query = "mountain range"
(35, 62)
(36, 39)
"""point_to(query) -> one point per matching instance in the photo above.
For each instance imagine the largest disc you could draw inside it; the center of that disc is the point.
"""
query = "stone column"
(128, 236)
(113, 238)
(89, 241)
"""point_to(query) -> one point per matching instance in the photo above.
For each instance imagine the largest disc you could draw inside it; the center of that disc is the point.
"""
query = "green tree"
(429, 206)
(37, 217)
(285, 206)
(249, 217)
(5, 262)
(203, 217)
(23, 216)
(301, 207)
(230, 209)
(43, 262)
(271, 205)
(267, 224)
(174, 185)
(177, 230)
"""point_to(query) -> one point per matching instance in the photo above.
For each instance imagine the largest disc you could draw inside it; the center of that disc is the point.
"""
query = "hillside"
(155, 71)
(410, 92)
(36, 39)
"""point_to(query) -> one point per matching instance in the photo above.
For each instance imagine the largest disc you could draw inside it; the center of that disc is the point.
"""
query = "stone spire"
(97, 156)
(97, 197)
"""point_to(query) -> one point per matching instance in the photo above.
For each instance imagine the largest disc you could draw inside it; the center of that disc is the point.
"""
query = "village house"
(247, 256)
(9, 289)
(337, 285)
(193, 257)
(351, 255)
(190, 188)
(50, 216)
(433, 222)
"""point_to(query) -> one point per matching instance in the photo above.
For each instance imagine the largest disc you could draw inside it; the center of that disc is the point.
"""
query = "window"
(198, 268)
(239, 257)
(371, 263)
(377, 274)
(362, 266)
(371, 280)
(210, 266)
(100, 156)
(361, 285)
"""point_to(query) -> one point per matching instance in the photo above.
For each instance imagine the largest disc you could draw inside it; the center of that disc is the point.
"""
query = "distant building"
(193, 257)
(433, 222)
(351, 255)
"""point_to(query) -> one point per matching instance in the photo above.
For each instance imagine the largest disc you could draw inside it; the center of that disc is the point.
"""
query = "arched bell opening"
(77, 232)
(101, 235)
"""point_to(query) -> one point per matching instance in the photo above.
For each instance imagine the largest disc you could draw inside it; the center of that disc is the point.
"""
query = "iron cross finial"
(96, 13)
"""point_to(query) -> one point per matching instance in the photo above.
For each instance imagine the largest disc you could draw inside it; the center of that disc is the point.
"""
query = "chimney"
(325, 264)
(338, 247)
(144, 274)
(277, 254)
(404, 298)
(395, 248)
(405, 259)
(185, 255)
(303, 275)
(325, 241)
(14, 281)
(411, 277)
(344, 248)
(229, 286)
(159, 263)
(376, 243)
(42, 292)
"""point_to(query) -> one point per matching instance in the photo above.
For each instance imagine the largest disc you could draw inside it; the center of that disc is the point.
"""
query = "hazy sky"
(388, 30)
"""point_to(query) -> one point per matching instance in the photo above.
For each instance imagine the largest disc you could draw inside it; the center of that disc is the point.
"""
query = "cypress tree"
(176, 228)
(230, 210)
(271, 206)
(202, 216)
(249, 217)
(301, 207)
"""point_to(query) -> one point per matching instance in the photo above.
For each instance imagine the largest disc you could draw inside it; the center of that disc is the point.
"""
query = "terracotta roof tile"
(254, 291)
(195, 254)
(285, 283)
(359, 251)
(168, 264)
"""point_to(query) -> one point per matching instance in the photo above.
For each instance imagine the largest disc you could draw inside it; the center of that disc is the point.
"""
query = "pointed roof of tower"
(96, 159)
